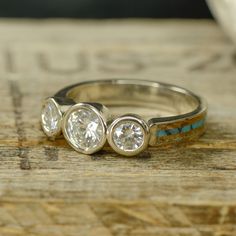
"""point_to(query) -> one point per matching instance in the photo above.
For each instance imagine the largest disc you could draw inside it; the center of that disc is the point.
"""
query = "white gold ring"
(83, 113)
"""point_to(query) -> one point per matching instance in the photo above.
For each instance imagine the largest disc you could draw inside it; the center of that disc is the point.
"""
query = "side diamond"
(128, 136)
(51, 118)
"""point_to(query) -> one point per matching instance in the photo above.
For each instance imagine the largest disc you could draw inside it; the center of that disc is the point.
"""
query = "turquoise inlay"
(184, 129)
(161, 133)
(173, 131)
(197, 124)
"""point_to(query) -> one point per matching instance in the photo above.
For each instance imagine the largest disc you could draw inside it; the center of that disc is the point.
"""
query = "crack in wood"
(17, 96)
(9, 62)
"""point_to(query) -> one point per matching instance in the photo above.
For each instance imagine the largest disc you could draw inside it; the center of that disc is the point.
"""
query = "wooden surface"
(46, 188)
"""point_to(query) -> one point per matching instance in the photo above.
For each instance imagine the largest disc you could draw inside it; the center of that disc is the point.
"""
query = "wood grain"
(46, 188)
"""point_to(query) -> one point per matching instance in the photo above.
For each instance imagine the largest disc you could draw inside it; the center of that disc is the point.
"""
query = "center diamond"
(128, 136)
(84, 129)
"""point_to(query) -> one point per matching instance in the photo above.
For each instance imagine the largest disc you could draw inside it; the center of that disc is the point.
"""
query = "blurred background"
(104, 8)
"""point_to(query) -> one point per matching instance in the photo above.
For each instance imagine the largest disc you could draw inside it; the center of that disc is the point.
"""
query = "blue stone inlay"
(197, 124)
(184, 129)
(161, 133)
(174, 131)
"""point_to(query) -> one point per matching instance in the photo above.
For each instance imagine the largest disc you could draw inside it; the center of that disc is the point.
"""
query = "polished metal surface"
(119, 92)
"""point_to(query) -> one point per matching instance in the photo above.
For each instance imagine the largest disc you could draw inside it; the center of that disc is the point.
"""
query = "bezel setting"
(52, 133)
(95, 112)
(138, 125)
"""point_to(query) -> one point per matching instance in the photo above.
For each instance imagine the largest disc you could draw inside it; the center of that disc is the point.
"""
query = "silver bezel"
(101, 115)
(58, 131)
(129, 118)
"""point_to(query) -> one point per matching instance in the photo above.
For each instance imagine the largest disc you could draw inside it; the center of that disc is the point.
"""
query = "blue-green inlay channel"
(184, 129)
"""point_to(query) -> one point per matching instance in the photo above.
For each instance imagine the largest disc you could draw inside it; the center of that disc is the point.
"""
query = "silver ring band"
(85, 113)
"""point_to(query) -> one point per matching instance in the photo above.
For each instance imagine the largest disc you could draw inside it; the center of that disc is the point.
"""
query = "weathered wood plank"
(46, 188)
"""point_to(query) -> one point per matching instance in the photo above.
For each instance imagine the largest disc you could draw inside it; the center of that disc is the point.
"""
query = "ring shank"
(134, 93)
(183, 107)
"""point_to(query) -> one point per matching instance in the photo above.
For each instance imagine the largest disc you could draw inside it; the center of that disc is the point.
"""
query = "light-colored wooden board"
(46, 188)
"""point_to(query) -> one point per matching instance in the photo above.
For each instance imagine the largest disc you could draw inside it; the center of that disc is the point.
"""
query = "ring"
(85, 113)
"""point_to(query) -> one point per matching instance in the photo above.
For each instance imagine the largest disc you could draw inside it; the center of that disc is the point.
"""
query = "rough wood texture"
(46, 188)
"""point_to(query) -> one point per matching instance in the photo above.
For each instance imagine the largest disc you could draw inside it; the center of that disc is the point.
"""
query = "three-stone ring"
(83, 113)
